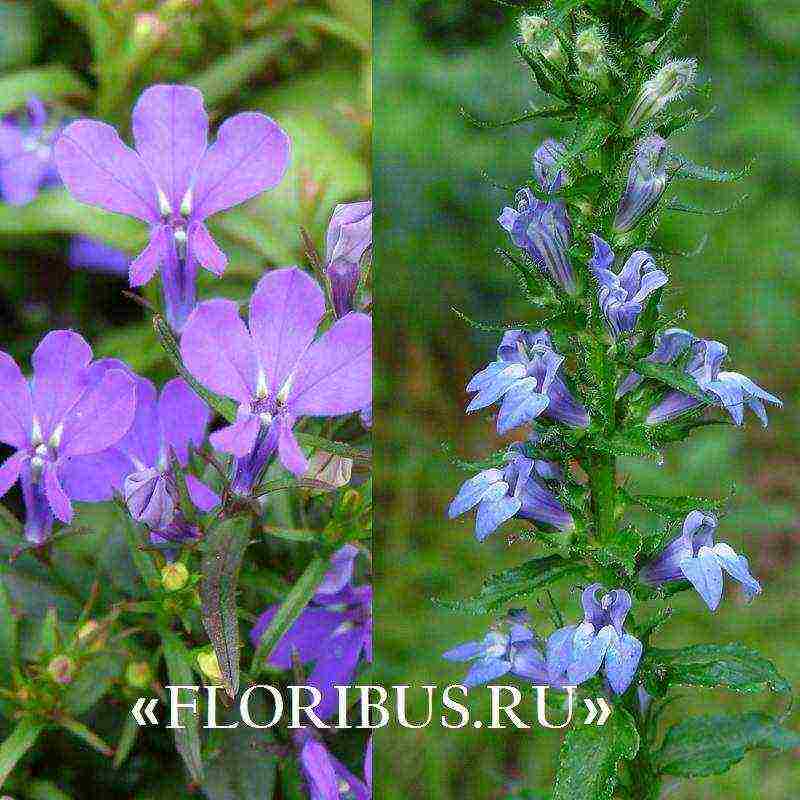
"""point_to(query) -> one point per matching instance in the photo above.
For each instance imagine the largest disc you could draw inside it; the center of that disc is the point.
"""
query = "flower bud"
(348, 238)
(531, 27)
(647, 181)
(209, 665)
(138, 674)
(668, 84)
(174, 576)
(553, 52)
(149, 498)
(331, 470)
(590, 45)
(61, 669)
(90, 632)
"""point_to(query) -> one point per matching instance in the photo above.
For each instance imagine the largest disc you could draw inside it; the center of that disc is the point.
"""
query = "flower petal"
(184, 418)
(102, 416)
(309, 635)
(60, 375)
(492, 513)
(142, 442)
(559, 651)
(705, 574)
(238, 439)
(285, 310)
(95, 256)
(93, 478)
(144, 266)
(100, 170)
(464, 652)
(9, 470)
(16, 405)
(204, 250)
(289, 452)
(589, 650)
(217, 349)
(336, 664)
(485, 670)
(521, 404)
(737, 567)
(317, 767)
(201, 495)
(334, 376)
(170, 128)
(21, 177)
(60, 504)
(251, 155)
(622, 661)
(472, 491)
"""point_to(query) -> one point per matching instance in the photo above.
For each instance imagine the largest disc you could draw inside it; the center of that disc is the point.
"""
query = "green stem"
(603, 480)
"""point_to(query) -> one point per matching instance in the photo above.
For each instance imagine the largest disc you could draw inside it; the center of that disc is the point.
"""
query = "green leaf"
(591, 132)
(22, 738)
(590, 756)
(671, 376)
(633, 441)
(222, 405)
(92, 682)
(649, 7)
(223, 551)
(711, 745)
(337, 448)
(514, 583)
(127, 739)
(85, 734)
(690, 208)
(622, 547)
(180, 673)
(688, 169)
(144, 564)
(731, 666)
(289, 610)
(48, 83)
(553, 112)
(9, 638)
(675, 507)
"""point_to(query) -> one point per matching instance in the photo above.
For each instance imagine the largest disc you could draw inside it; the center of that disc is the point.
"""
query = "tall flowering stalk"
(598, 373)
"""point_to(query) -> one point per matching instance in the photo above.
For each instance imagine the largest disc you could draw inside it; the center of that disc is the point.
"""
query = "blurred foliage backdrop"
(434, 246)
(308, 65)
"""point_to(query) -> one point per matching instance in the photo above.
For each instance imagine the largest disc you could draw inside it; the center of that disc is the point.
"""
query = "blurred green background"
(308, 65)
(434, 246)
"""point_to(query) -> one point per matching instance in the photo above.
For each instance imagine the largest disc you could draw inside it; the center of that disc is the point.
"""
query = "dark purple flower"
(525, 375)
(647, 181)
(333, 631)
(542, 230)
(695, 557)
(277, 370)
(173, 181)
(325, 776)
(511, 649)
(26, 157)
(517, 490)
(72, 409)
(623, 296)
(670, 344)
(349, 236)
(729, 390)
(598, 642)
(90, 254)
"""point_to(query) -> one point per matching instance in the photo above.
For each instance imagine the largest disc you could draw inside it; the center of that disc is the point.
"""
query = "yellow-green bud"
(590, 48)
(553, 52)
(209, 665)
(61, 669)
(174, 576)
(531, 27)
(138, 674)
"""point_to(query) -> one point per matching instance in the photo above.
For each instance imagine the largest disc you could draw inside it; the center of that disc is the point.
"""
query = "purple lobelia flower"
(670, 345)
(695, 557)
(348, 238)
(94, 256)
(599, 642)
(517, 490)
(542, 230)
(277, 370)
(729, 390)
(511, 649)
(647, 181)
(623, 296)
(26, 156)
(325, 776)
(73, 408)
(333, 631)
(525, 375)
(545, 160)
(173, 181)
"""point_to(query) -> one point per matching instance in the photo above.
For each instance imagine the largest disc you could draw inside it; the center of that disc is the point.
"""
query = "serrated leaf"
(711, 745)
(223, 551)
(731, 666)
(676, 507)
(688, 169)
(633, 441)
(623, 548)
(553, 112)
(22, 738)
(179, 671)
(511, 584)
(590, 756)
(690, 208)
(591, 133)
(673, 377)
(650, 7)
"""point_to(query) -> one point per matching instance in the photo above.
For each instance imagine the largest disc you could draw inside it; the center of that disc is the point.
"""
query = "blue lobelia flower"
(729, 390)
(695, 557)
(647, 181)
(623, 296)
(326, 778)
(513, 649)
(599, 642)
(348, 238)
(517, 490)
(670, 344)
(525, 375)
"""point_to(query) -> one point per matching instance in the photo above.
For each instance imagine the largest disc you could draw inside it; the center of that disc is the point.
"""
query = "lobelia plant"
(206, 501)
(600, 374)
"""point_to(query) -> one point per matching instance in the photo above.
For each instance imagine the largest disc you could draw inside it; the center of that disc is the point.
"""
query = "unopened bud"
(149, 498)
(553, 52)
(90, 631)
(531, 27)
(209, 665)
(138, 674)
(668, 84)
(330, 470)
(61, 669)
(148, 26)
(174, 576)
(590, 45)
